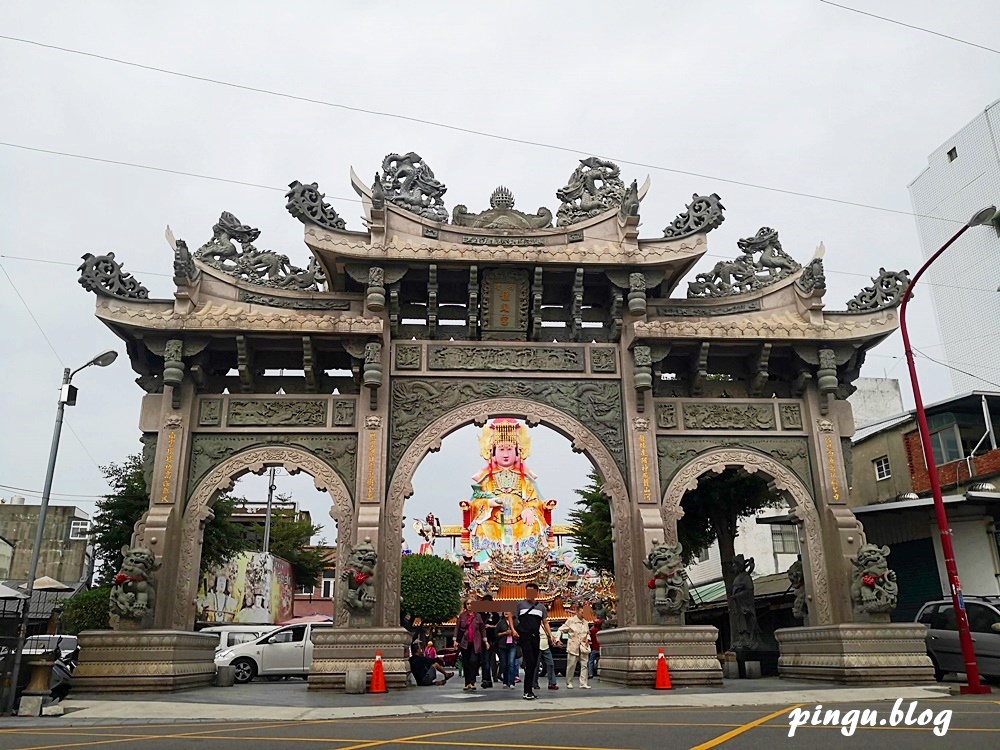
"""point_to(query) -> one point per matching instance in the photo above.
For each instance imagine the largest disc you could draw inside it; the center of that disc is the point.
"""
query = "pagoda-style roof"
(578, 274)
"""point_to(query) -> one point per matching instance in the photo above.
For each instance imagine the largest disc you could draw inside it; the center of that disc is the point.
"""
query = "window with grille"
(785, 540)
(882, 468)
(79, 529)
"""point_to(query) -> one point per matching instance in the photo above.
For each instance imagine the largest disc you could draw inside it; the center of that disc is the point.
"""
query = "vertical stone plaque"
(505, 305)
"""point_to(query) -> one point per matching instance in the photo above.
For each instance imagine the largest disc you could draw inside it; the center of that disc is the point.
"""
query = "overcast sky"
(797, 96)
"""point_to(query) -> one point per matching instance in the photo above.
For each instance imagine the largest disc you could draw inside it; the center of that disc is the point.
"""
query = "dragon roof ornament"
(746, 273)
(886, 291)
(408, 182)
(703, 214)
(594, 187)
(305, 203)
(103, 275)
(263, 267)
(501, 214)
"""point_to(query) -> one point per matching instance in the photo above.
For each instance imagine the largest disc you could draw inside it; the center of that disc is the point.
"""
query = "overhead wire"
(48, 341)
(443, 125)
(911, 26)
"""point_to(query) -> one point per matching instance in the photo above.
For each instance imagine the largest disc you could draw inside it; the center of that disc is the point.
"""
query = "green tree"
(713, 512)
(430, 588)
(118, 512)
(86, 611)
(290, 539)
(223, 538)
(591, 521)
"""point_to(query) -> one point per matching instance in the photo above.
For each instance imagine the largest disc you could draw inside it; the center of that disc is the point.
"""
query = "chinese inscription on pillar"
(168, 467)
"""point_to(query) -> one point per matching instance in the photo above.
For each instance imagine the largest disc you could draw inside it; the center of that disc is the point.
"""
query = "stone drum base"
(628, 655)
(856, 653)
(129, 661)
(337, 651)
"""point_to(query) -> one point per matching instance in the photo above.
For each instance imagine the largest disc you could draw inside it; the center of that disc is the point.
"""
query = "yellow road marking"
(411, 738)
(745, 728)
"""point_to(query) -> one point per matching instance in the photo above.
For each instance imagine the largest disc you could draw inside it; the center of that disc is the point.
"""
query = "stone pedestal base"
(856, 653)
(336, 651)
(144, 660)
(628, 655)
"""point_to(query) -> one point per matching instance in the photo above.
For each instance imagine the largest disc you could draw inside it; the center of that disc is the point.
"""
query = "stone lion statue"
(797, 578)
(668, 586)
(359, 573)
(133, 593)
(874, 590)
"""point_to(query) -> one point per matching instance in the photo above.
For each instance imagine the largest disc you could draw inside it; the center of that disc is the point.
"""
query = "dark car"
(942, 635)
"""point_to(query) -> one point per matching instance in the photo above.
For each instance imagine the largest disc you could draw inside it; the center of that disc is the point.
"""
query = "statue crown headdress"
(505, 430)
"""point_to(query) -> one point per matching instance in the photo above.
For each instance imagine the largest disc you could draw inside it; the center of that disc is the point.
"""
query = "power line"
(956, 369)
(31, 314)
(38, 493)
(911, 26)
(56, 353)
(446, 126)
(66, 263)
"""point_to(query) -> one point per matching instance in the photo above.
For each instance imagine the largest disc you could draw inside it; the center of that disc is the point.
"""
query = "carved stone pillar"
(842, 532)
(160, 528)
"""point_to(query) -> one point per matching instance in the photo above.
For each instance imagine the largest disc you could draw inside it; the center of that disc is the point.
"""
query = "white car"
(233, 635)
(285, 652)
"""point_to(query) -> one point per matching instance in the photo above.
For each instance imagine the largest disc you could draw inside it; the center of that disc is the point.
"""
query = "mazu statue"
(506, 512)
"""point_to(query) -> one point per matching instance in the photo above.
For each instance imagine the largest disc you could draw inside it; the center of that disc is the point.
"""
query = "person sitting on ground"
(425, 670)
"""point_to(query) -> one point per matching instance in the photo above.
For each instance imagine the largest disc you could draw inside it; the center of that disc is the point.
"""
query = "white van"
(284, 652)
(233, 635)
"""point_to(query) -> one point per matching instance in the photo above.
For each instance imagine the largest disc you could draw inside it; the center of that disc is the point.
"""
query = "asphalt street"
(974, 722)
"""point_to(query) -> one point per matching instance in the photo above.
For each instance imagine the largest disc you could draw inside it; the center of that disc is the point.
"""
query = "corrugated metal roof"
(710, 594)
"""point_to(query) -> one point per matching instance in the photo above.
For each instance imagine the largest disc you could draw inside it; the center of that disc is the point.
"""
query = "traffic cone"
(662, 673)
(378, 676)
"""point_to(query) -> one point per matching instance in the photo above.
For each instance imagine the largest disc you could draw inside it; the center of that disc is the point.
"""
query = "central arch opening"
(447, 484)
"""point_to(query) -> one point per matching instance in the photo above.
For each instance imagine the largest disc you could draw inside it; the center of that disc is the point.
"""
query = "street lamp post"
(974, 685)
(67, 397)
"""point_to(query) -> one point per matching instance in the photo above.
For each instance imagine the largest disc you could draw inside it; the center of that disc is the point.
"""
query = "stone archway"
(782, 478)
(429, 440)
(221, 478)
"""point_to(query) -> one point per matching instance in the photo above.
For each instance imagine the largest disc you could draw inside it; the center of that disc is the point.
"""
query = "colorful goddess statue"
(506, 511)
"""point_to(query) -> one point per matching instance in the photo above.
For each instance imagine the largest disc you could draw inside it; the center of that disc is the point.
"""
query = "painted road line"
(745, 728)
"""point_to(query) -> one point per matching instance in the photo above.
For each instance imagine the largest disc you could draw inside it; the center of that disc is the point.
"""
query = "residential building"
(318, 597)
(963, 176)
(66, 553)
(892, 498)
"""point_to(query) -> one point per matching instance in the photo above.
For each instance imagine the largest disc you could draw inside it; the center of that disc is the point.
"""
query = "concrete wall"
(875, 399)
(60, 557)
(866, 487)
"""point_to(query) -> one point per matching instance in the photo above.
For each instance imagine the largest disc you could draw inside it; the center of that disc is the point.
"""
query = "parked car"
(233, 635)
(40, 644)
(284, 652)
(942, 635)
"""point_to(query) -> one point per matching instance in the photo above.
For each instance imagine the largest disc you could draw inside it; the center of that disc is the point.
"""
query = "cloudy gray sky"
(796, 96)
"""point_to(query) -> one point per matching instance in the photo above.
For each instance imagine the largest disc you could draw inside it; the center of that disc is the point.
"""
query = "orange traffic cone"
(662, 673)
(378, 676)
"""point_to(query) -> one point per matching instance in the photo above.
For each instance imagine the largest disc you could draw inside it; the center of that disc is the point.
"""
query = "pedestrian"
(545, 657)
(577, 646)
(470, 634)
(426, 670)
(507, 649)
(595, 649)
(429, 651)
(531, 622)
(488, 665)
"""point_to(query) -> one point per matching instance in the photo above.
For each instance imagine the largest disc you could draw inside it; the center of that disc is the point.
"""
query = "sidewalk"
(291, 701)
